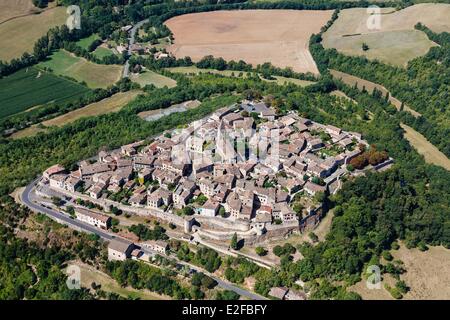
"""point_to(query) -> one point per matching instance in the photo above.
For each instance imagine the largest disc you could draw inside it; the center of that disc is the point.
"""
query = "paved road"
(76, 224)
(60, 216)
(227, 285)
(131, 40)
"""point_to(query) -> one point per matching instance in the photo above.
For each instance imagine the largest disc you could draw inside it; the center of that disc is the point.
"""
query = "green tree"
(234, 242)
(401, 286)
(227, 295)
(278, 251)
(319, 197)
(387, 255)
(313, 237)
(260, 251)
(222, 212)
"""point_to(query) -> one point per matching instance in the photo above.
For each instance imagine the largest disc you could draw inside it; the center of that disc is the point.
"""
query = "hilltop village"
(243, 169)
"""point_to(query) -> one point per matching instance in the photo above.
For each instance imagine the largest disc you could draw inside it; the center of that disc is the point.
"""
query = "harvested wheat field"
(150, 77)
(111, 104)
(255, 36)
(12, 9)
(19, 35)
(396, 41)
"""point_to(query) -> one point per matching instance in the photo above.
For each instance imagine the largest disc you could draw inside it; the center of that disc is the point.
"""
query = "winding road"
(26, 198)
(131, 40)
(76, 224)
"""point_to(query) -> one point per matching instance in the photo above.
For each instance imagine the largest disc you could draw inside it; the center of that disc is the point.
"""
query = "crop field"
(424, 147)
(150, 77)
(12, 9)
(393, 47)
(20, 34)
(396, 41)
(30, 87)
(111, 104)
(255, 36)
(95, 75)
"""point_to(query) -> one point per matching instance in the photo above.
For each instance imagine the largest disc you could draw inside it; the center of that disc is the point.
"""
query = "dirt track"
(255, 36)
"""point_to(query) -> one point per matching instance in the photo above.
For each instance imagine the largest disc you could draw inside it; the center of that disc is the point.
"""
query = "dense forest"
(31, 271)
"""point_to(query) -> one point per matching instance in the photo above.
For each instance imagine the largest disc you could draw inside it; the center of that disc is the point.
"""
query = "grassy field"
(19, 35)
(111, 104)
(195, 70)
(30, 87)
(427, 276)
(86, 42)
(229, 73)
(428, 273)
(424, 147)
(369, 86)
(162, 43)
(150, 77)
(101, 52)
(255, 36)
(394, 47)
(396, 41)
(341, 94)
(283, 80)
(95, 75)
(90, 274)
(433, 15)
(28, 132)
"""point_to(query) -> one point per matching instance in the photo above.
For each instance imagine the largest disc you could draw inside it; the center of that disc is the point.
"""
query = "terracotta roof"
(54, 169)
